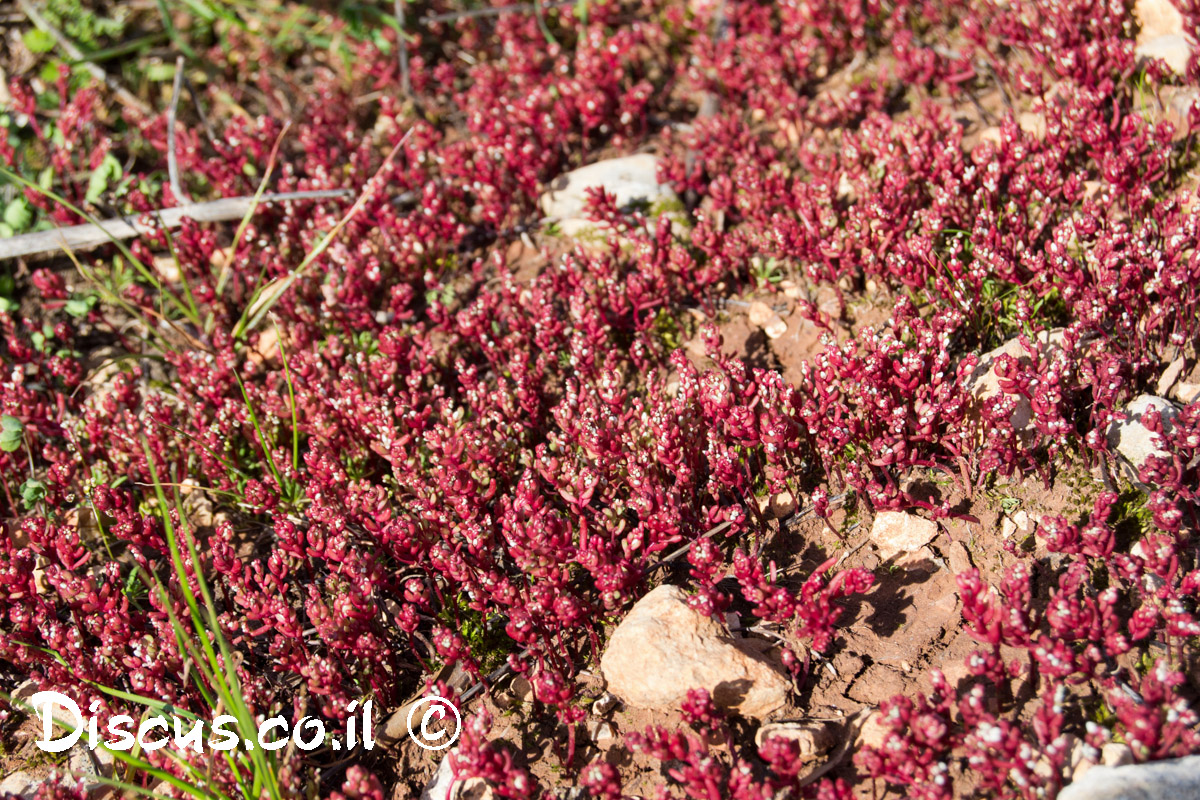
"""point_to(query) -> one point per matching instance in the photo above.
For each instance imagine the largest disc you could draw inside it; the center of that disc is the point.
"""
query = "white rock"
(604, 704)
(814, 738)
(1173, 778)
(1033, 124)
(1175, 49)
(64, 721)
(874, 731)
(1170, 375)
(21, 784)
(663, 648)
(1018, 523)
(602, 733)
(779, 505)
(440, 784)
(1186, 392)
(1133, 440)
(763, 316)
(1157, 18)
(473, 789)
(1115, 754)
(984, 384)
(632, 179)
(896, 532)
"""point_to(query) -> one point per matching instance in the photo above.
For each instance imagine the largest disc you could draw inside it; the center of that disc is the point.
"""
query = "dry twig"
(88, 235)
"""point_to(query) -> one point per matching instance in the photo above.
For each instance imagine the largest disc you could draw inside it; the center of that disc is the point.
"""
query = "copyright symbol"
(422, 735)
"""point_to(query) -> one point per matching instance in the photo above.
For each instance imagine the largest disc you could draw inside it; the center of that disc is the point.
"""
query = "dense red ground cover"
(422, 455)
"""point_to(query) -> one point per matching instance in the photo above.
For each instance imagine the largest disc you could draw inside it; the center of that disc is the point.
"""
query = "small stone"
(604, 704)
(958, 558)
(1157, 18)
(790, 289)
(65, 721)
(633, 180)
(602, 733)
(440, 784)
(1176, 103)
(1175, 778)
(984, 384)
(1019, 524)
(1115, 754)
(920, 559)
(991, 134)
(845, 189)
(780, 505)
(874, 731)
(167, 268)
(814, 738)
(1033, 124)
(663, 648)
(521, 689)
(1170, 375)
(267, 347)
(21, 784)
(1175, 49)
(896, 532)
(763, 316)
(1133, 440)
(1186, 392)
(473, 789)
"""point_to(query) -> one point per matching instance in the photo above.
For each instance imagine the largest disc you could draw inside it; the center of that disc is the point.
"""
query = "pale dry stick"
(88, 235)
(124, 95)
(516, 8)
(172, 160)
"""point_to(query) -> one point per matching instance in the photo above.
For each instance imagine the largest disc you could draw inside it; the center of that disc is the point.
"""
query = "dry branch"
(89, 235)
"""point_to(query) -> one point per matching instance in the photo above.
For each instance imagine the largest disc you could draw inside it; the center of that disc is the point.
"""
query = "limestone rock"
(1170, 375)
(813, 738)
(958, 557)
(896, 532)
(1033, 124)
(1157, 18)
(443, 786)
(1175, 49)
(1132, 439)
(1177, 777)
(763, 316)
(663, 648)
(604, 704)
(440, 784)
(1115, 754)
(632, 179)
(780, 505)
(1163, 34)
(984, 384)
(1019, 524)
(602, 733)
(1186, 392)
(21, 784)
(874, 731)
